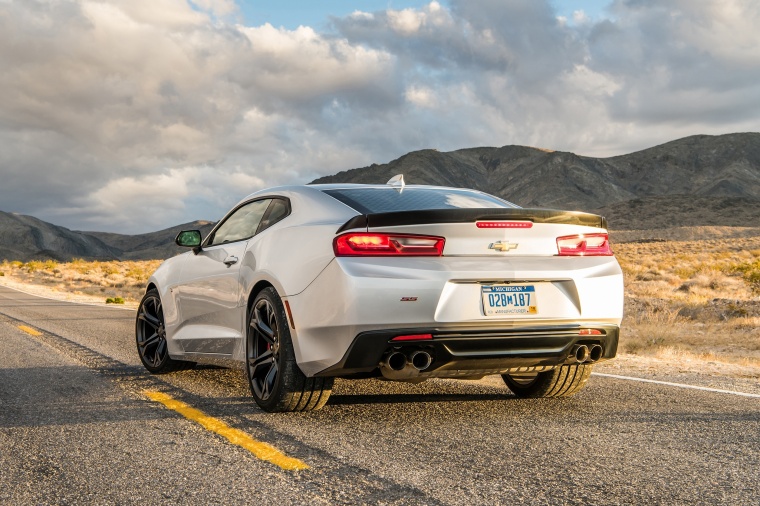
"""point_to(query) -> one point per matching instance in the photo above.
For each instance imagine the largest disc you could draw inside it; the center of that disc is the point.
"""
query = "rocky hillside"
(27, 238)
(720, 172)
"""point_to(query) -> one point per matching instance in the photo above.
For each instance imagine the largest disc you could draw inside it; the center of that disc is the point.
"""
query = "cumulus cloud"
(133, 116)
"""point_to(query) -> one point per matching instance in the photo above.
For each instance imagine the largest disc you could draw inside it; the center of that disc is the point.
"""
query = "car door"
(209, 295)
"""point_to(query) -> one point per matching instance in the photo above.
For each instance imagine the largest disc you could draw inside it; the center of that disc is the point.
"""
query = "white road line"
(110, 306)
(680, 385)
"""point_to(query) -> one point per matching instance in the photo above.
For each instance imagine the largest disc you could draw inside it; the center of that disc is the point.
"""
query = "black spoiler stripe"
(401, 218)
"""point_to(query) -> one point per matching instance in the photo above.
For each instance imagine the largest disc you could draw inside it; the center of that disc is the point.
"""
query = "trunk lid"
(485, 232)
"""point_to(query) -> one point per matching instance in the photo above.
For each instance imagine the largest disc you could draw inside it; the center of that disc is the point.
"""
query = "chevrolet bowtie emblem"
(502, 246)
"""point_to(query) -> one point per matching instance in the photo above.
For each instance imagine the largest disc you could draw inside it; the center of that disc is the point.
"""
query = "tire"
(563, 381)
(276, 382)
(150, 336)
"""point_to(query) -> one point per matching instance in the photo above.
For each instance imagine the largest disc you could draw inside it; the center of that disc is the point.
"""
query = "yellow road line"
(237, 437)
(30, 330)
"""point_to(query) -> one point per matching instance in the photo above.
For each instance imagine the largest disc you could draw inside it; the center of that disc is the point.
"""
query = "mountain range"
(700, 180)
(27, 238)
(699, 166)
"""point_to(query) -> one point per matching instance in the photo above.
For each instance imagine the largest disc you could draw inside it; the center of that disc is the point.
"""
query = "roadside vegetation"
(107, 282)
(696, 300)
(693, 299)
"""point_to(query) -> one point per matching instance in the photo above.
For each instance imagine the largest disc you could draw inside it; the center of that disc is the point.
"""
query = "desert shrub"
(17, 264)
(137, 273)
(114, 300)
(37, 265)
(34, 266)
(109, 269)
(2, 273)
(750, 271)
(734, 310)
(80, 266)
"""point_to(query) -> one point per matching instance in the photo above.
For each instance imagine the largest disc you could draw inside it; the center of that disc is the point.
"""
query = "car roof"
(339, 186)
(308, 188)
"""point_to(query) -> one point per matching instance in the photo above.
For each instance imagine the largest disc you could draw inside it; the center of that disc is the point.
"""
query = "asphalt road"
(76, 428)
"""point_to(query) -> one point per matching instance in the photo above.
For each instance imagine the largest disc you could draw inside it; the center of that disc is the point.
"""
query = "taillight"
(584, 245)
(356, 244)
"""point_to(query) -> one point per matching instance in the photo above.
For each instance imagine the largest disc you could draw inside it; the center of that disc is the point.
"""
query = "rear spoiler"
(400, 218)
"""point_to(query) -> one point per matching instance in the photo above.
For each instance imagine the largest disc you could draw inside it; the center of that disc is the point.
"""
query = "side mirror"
(189, 239)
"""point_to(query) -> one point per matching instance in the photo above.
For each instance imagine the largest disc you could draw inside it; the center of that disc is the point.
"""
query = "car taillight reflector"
(413, 337)
(290, 315)
(584, 245)
(369, 244)
(504, 224)
(589, 332)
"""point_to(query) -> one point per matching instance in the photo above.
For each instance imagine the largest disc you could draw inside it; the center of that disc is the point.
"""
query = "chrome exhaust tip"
(595, 352)
(421, 360)
(580, 353)
(396, 361)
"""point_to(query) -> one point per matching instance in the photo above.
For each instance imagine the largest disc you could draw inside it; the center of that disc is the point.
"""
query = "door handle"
(230, 260)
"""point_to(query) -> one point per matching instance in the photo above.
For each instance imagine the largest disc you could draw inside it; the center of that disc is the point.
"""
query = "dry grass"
(104, 280)
(697, 299)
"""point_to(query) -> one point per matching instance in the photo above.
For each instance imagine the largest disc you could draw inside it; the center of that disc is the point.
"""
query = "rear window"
(387, 200)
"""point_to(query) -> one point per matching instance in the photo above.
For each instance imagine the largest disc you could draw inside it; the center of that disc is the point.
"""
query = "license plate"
(509, 299)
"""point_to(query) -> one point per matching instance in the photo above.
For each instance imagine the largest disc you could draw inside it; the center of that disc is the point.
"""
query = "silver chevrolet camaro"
(303, 284)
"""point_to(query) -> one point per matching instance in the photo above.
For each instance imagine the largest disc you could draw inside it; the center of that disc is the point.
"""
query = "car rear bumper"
(464, 352)
(355, 297)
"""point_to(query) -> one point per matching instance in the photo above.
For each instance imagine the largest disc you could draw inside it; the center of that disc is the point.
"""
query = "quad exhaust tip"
(421, 360)
(595, 352)
(582, 353)
(418, 360)
(396, 361)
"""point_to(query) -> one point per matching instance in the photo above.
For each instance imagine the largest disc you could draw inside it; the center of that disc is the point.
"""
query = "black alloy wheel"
(263, 350)
(150, 334)
(277, 383)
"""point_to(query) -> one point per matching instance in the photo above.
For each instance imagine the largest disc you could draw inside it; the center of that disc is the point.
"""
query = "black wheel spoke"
(263, 328)
(156, 303)
(269, 379)
(149, 319)
(160, 350)
(150, 340)
(256, 363)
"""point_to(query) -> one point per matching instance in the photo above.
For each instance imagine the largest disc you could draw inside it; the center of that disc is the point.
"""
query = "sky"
(135, 115)
(317, 14)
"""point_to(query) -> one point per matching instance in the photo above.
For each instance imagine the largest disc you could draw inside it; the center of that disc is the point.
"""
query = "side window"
(242, 224)
(278, 209)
